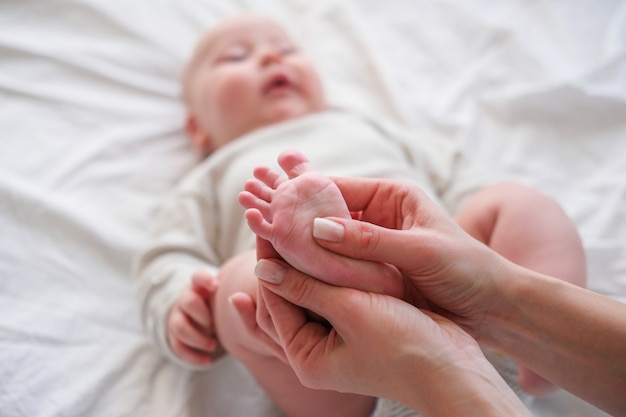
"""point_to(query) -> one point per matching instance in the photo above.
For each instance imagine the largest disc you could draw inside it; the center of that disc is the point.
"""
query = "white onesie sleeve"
(179, 246)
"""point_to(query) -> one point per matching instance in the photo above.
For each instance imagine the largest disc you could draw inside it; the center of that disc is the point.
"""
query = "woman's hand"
(376, 345)
(398, 224)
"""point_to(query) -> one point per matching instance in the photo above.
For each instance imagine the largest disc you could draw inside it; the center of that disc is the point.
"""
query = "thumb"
(366, 241)
(303, 291)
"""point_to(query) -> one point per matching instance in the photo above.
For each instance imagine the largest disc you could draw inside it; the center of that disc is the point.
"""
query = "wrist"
(463, 386)
(513, 323)
(493, 290)
(491, 293)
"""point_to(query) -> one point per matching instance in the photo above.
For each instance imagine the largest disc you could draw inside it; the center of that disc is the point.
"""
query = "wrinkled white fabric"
(92, 141)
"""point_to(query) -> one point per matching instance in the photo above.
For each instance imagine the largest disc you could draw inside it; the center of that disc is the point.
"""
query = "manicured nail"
(328, 230)
(270, 271)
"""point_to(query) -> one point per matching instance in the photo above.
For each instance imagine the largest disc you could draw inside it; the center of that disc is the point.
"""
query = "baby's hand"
(190, 329)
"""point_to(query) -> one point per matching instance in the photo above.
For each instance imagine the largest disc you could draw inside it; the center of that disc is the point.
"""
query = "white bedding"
(90, 127)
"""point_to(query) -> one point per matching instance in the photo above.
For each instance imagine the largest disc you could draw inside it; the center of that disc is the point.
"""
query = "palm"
(429, 270)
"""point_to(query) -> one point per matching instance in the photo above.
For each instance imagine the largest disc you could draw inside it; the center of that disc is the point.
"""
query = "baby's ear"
(200, 138)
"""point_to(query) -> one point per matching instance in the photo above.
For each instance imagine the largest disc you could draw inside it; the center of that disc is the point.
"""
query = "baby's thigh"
(235, 276)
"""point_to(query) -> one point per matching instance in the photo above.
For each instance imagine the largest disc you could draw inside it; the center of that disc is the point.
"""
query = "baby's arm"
(530, 229)
(179, 246)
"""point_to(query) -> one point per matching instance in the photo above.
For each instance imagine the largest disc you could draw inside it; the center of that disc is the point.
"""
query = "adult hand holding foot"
(527, 315)
(378, 345)
(279, 209)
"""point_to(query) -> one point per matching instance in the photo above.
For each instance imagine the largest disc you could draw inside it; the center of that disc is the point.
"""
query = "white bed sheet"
(90, 122)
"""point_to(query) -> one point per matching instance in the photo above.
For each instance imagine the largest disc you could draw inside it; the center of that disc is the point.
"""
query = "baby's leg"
(275, 376)
(281, 210)
(530, 229)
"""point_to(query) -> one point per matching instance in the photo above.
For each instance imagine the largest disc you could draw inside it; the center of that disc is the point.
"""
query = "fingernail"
(328, 230)
(270, 271)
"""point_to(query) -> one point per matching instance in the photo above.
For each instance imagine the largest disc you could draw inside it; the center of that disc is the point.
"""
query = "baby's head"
(246, 73)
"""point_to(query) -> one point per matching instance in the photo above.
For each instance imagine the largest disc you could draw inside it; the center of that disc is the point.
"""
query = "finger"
(298, 336)
(368, 196)
(204, 283)
(366, 275)
(358, 192)
(182, 329)
(195, 306)
(190, 355)
(367, 241)
(298, 291)
(263, 317)
(247, 310)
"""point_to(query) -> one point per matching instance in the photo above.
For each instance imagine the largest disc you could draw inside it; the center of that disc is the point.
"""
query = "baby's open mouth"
(278, 83)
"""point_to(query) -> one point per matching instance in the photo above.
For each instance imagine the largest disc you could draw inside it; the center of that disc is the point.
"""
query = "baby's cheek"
(232, 105)
(234, 92)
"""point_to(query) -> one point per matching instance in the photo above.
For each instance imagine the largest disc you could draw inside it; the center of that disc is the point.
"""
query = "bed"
(92, 140)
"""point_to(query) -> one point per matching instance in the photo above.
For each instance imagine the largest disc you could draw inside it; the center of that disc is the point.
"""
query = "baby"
(251, 94)
(246, 73)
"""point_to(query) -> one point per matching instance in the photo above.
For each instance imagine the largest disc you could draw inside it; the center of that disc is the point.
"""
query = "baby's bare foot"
(281, 210)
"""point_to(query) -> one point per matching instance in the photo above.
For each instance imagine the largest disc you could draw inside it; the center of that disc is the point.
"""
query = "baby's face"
(247, 73)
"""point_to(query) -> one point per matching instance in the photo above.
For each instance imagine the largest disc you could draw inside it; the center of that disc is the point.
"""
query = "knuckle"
(368, 239)
(300, 291)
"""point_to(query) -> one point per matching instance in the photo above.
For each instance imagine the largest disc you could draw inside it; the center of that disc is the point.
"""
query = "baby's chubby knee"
(515, 196)
(519, 196)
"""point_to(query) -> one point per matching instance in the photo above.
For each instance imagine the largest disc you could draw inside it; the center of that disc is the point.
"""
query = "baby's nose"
(270, 56)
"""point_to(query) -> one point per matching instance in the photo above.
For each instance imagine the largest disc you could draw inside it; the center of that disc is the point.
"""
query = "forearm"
(472, 388)
(571, 336)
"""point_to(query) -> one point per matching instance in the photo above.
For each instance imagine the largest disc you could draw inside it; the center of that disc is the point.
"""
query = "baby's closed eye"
(234, 53)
